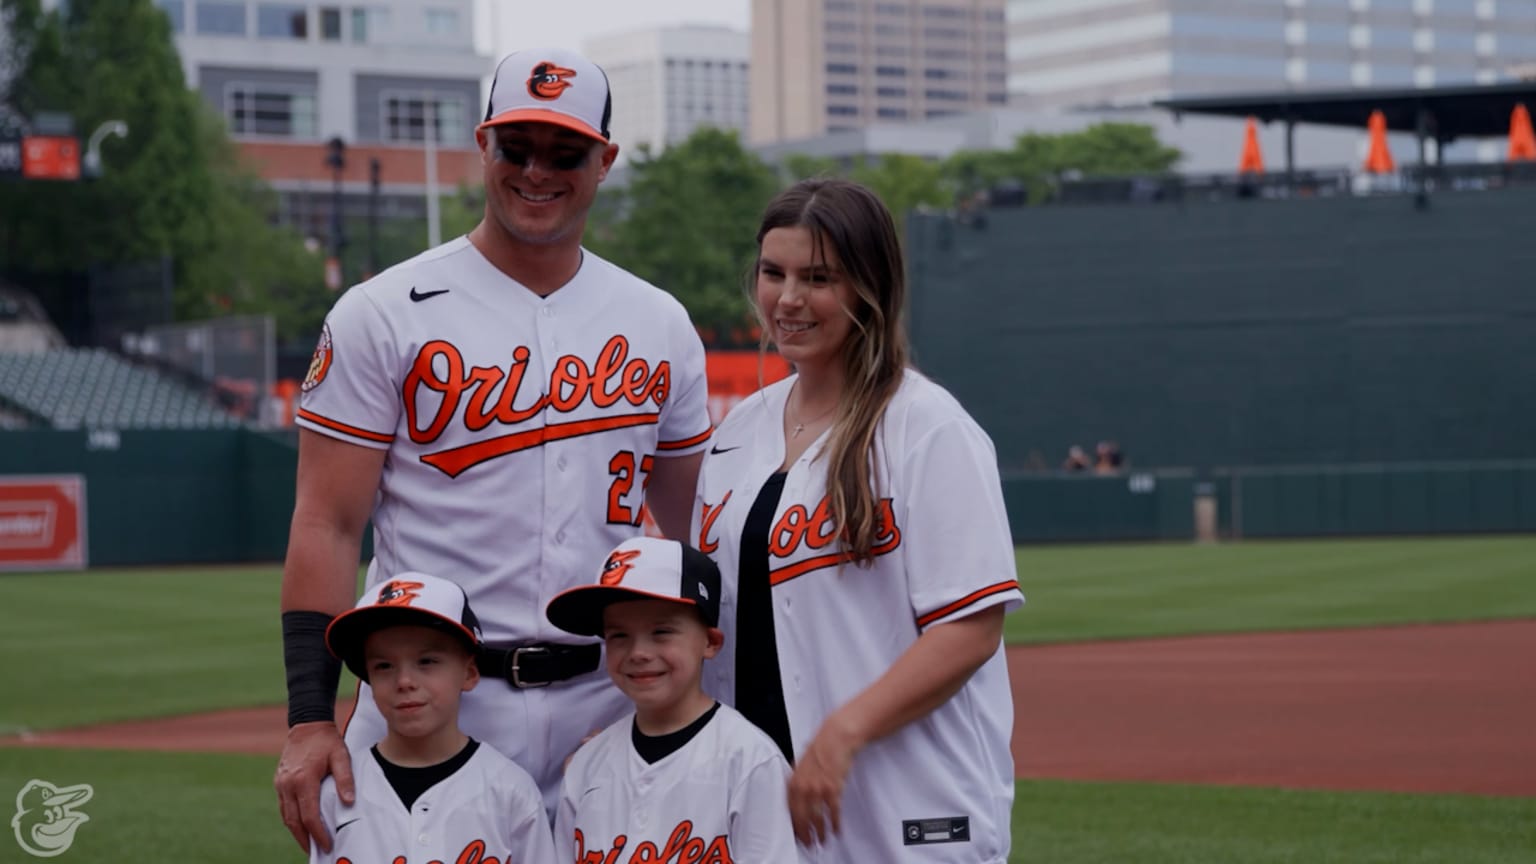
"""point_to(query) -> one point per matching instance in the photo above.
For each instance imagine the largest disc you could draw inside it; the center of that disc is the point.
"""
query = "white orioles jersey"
(719, 799)
(487, 812)
(939, 789)
(521, 433)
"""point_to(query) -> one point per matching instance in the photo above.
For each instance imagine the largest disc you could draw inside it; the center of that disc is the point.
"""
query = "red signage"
(50, 157)
(735, 375)
(42, 523)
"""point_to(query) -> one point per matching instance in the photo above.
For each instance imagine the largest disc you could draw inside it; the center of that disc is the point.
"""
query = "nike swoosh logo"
(345, 824)
(715, 451)
(419, 296)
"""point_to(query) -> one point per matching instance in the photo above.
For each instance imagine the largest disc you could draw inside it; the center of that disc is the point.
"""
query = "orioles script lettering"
(681, 848)
(474, 853)
(490, 395)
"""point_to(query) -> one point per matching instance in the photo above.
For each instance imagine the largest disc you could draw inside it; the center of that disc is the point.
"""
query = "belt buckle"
(516, 672)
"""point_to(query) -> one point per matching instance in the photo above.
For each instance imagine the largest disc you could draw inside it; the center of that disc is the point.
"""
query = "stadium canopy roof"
(1442, 113)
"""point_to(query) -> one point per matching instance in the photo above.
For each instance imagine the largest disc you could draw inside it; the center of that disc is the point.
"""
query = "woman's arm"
(924, 677)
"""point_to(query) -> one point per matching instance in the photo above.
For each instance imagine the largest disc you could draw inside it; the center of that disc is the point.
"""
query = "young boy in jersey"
(427, 791)
(683, 775)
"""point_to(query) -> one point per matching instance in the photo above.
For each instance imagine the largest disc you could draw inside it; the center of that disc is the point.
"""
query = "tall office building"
(289, 75)
(1112, 52)
(668, 82)
(823, 66)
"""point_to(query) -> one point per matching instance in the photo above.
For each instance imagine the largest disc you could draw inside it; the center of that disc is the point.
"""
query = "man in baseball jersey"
(502, 406)
(684, 778)
(414, 640)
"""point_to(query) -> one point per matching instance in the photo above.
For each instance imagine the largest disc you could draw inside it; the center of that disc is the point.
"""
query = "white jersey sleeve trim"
(336, 429)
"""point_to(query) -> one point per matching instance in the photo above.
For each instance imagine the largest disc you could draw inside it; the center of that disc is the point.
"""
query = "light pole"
(336, 158)
(375, 172)
(91, 164)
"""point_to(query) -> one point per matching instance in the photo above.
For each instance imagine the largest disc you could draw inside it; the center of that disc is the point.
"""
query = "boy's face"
(656, 650)
(417, 674)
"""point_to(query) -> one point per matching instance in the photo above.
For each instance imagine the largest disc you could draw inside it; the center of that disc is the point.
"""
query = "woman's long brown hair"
(860, 230)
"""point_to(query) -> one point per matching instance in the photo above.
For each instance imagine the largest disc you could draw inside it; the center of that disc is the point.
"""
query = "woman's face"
(805, 299)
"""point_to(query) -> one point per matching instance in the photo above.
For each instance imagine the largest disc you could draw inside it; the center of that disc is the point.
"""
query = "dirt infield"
(1420, 709)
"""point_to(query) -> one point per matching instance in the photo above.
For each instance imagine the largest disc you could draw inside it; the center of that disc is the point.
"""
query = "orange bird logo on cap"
(398, 592)
(617, 565)
(548, 81)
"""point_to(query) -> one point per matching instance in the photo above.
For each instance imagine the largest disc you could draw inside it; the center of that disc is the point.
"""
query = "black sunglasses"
(564, 160)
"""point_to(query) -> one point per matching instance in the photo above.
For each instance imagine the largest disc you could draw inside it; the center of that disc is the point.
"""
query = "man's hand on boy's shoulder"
(313, 751)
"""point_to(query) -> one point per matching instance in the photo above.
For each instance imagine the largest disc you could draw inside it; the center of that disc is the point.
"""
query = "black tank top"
(759, 686)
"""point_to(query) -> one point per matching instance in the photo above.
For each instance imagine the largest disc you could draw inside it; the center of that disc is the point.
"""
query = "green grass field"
(152, 808)
(108, 645)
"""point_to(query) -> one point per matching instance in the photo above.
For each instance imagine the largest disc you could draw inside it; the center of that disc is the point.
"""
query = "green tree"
(687, 222)
(904, 183)
(1039, 161)
(173, 187)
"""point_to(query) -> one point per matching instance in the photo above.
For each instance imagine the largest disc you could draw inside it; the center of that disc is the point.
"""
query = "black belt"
(539, 664)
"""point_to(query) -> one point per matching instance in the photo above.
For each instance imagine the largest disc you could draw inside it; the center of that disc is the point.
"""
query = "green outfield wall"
(1245, 332)
(170, 497)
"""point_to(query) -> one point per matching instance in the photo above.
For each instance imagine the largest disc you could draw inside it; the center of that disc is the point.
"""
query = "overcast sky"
(568, 23)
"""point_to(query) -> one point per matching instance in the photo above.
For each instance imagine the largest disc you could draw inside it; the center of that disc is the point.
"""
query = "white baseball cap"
(550, 86)
(643, 568)
(408, 598)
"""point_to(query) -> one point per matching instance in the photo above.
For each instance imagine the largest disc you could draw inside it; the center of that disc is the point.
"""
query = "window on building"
(842, 6)
(842, 111)
(891, 71)
(890, 30)
(842, 89)
(842, 68)
(944, 33)
(442, 22)
(943, 12)
(330, 25)
(369, 24)
(282, 21)
(176, 10)
(842, 26)
(220, 18)
(892, 113)
(940, 74)
(839, 127)
(933, 113)
(997, 98)
(945, 95)
(405, 118)
(892, 92)
(890, 9)
(841, 48)
(266, 109)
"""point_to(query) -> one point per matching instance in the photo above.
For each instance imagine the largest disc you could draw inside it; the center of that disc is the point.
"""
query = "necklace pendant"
(796, 433)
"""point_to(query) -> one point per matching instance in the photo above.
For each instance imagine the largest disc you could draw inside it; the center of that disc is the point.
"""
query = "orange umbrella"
(1378, 159)
(1252, 161)
(1522, 141)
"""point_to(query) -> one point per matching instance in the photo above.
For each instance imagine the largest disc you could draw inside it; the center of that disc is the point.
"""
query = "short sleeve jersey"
(488, 809)
(720, 797)
(521, 429)
(943, 551)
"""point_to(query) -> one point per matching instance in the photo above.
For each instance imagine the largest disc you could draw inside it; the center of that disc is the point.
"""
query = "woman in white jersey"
(857, 517)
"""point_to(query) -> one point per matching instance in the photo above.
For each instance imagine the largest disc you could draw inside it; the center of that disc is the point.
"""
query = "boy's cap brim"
(580, 610)
(408, 599)
(642, 568)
